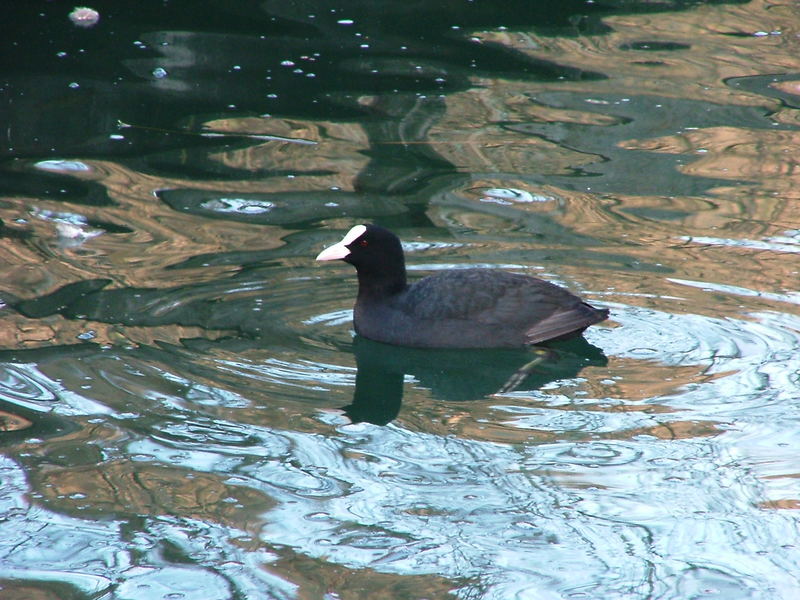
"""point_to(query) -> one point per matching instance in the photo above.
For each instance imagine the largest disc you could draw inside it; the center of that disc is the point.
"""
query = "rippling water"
(185, 412)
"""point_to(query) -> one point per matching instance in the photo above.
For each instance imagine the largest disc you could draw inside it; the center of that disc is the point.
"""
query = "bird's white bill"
(340, 250)
(335, 252)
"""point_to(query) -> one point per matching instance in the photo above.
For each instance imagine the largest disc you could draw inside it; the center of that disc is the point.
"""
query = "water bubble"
(83, 16)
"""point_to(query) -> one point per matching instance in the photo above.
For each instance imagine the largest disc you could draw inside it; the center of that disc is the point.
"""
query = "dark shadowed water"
(185, 413)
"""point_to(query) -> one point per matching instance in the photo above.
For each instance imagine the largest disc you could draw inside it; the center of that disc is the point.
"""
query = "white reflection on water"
(791, 297)
(301, 373)
(538, 519)
(46, 546)
(62, 165)
(624, 516)
(633, 517)
(331, 319)
(25, 385)
(778, 244)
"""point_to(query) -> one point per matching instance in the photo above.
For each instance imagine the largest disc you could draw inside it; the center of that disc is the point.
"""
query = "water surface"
(185, 412)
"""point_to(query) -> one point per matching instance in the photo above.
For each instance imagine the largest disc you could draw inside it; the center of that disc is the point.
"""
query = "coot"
(459, 308)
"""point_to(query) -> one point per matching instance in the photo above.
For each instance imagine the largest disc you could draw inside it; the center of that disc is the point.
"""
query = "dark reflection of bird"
(460, 308)
(453, 375)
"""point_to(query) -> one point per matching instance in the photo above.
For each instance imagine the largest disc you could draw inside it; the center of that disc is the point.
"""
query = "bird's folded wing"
(565, 321)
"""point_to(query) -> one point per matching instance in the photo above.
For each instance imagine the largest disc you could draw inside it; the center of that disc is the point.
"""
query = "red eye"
(363, 243)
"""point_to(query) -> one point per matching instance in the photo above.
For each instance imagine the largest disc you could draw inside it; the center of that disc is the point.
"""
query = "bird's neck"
(382, 283)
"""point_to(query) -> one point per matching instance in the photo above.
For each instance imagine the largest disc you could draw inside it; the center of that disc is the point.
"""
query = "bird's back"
(472, 308)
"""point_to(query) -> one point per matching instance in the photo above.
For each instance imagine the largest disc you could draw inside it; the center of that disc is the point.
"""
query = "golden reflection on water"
(472, 135)
(739, 154)
(317, 578)
(12, 422)
(335, 149)
(720, 40)
(122, 489)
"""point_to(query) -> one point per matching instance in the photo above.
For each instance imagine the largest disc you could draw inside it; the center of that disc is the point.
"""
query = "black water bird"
(458, 308)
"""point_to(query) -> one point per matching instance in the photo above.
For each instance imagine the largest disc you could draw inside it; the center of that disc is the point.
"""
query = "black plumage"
(458, 308)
